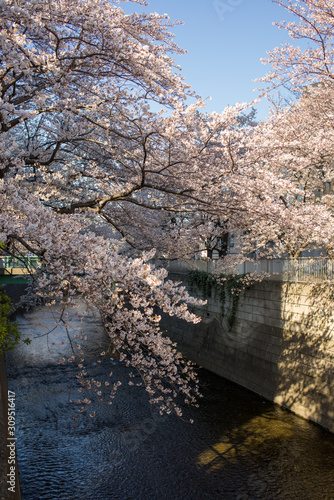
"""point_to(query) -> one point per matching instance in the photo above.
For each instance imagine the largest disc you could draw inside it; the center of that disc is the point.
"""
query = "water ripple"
(240, 447)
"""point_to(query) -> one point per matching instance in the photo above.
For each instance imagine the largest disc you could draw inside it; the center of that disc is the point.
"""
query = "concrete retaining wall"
(14, 291)
(281, 345)
(5, 494)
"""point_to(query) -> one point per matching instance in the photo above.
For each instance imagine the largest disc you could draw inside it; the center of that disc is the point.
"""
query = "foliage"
(9, 334)
(225, 288)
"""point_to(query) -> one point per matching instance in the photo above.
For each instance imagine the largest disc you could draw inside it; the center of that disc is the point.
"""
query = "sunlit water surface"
(239, 447)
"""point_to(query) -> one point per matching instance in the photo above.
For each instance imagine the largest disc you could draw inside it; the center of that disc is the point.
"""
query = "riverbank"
(8, 464)
(14, 288)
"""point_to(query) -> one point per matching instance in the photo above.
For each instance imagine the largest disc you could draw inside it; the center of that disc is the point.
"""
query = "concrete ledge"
(5, 494)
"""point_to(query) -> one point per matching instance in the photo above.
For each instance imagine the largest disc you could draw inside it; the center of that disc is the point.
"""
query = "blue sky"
(225, 40)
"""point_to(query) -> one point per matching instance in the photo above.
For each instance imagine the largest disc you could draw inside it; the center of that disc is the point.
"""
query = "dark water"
(239, 447)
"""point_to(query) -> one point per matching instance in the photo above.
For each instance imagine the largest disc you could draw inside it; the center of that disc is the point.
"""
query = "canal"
(239, 447)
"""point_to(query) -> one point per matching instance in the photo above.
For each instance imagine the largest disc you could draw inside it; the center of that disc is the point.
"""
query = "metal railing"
(18, 265)
(308, 269)
(303, 269)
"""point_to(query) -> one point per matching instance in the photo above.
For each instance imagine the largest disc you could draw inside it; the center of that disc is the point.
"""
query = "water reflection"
(250, 439)
(240, 446)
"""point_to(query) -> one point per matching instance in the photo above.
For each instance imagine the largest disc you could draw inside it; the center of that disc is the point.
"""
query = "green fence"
(8, 263)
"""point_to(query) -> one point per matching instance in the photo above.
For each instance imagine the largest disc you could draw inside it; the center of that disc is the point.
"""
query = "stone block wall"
(281, 345)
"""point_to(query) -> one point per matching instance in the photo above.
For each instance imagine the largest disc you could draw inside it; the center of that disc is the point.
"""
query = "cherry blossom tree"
(96, 117)
(98, 125)
(78, 135)
(79, 82)
(297, 140)
(126, 291)
(290, 63)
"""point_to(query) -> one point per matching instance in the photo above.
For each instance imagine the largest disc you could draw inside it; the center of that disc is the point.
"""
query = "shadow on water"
(279, 454)
(239, 447)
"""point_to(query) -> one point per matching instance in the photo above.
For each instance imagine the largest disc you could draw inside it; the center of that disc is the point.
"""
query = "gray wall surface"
(281, 345)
